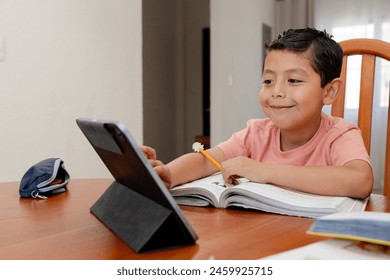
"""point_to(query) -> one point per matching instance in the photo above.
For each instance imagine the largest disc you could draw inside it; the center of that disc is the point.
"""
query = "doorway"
(175, 110)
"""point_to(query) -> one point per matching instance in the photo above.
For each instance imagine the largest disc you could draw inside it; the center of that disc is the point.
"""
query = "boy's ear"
(332, 90)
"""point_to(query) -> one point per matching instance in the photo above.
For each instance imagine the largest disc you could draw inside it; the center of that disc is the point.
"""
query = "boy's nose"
(278, 91)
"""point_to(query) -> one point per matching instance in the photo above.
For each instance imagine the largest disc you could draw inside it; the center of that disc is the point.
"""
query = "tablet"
(137, 206)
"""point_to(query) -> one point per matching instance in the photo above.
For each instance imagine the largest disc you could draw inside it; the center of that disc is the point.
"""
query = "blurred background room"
(171, 70)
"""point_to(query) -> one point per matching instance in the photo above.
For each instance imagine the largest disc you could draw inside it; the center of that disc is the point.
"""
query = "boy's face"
(291, 94)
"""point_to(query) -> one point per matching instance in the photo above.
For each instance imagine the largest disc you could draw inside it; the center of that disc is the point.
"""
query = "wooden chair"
(369, 49)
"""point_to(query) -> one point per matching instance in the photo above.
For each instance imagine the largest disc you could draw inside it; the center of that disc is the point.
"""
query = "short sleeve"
(348, 146)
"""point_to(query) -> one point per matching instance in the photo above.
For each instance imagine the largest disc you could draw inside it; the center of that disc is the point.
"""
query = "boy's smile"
(291, 95)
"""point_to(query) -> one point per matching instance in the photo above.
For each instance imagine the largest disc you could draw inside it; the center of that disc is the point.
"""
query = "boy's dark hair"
(326, 54)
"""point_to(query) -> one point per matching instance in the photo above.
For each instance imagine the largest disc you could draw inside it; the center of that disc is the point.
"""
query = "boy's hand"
(243, 167)
(161, 169)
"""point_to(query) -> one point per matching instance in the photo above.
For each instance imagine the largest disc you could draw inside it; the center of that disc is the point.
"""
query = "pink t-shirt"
(335, 143)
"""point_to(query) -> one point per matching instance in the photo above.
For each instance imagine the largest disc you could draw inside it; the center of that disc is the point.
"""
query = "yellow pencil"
(199, 148)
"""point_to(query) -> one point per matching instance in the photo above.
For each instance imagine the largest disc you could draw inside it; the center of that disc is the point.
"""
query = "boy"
(297, 146)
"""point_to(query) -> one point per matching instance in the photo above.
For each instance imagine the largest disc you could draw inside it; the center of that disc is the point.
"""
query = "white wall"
(66, 59)
(236, 63)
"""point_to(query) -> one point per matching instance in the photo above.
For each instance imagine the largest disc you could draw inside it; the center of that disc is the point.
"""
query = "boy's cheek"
(262, 98)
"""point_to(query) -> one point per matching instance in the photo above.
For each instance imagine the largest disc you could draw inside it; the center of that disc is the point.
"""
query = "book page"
(264, 197)
(294, 201)
(209, 188)
(250, 203)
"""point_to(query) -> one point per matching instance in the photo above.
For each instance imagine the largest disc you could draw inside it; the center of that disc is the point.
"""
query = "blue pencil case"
(44, 178)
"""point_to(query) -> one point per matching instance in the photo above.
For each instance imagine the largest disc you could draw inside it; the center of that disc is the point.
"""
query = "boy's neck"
(290, 140)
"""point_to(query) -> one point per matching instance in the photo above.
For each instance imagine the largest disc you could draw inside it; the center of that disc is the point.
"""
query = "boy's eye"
(294, 81)
(267, 82)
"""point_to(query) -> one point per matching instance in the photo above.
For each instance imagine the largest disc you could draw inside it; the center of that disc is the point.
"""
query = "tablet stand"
(140, 222)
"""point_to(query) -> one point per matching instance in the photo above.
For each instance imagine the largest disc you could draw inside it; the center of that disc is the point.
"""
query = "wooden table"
(62, 227)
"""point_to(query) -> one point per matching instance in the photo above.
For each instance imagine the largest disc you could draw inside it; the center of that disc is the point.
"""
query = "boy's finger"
(149, 152)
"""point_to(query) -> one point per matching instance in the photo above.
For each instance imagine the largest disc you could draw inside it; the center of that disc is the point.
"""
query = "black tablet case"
(137, 206)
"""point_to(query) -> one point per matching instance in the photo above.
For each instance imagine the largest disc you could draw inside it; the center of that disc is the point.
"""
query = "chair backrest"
(369, 49)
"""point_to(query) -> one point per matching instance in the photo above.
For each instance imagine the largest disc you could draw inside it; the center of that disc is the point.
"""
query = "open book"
(212, 191)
